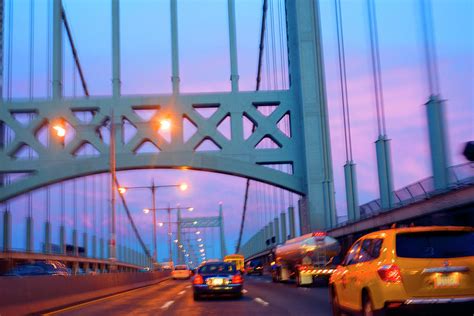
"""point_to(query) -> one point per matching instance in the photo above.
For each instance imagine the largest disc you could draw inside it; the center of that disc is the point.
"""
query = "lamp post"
(168, 209)
(152, 188)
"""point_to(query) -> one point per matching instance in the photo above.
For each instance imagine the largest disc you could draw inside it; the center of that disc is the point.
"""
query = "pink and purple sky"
(204, 64)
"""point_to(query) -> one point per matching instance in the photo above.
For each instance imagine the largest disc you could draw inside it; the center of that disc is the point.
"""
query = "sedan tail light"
(198, 279)
(390, 273)
(236, 279)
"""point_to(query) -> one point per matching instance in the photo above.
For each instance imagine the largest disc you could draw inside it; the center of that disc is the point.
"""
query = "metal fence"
(460, 175)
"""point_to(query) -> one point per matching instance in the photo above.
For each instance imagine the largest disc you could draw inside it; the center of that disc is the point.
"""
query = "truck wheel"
(298, 279)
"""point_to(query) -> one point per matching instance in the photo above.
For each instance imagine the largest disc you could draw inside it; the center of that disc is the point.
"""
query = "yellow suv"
(423, 269)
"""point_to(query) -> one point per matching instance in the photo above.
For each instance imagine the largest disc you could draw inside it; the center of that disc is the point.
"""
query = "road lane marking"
(188, 287)
(167, 304)
(244, 291)
(182, 292)
(260, 301)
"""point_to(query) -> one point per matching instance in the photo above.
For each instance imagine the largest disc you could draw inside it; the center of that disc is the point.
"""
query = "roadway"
(175, 297)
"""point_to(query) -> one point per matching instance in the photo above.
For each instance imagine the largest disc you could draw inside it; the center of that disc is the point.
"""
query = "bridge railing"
(460, 175)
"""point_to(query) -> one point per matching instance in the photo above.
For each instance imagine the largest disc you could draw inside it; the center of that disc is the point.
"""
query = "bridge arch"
(307, 149)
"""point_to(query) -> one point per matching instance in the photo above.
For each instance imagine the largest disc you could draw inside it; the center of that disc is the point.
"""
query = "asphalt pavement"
(175, 297)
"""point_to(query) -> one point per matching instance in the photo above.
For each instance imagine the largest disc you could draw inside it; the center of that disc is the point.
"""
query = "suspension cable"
(74, 52)
(132, 222)
(343, 80)
(272, 33)
(376, 71)
(261, 46)
(429, 47)
(282, 46)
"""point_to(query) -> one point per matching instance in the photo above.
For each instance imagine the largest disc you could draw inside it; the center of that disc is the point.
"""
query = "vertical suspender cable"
(267, 65)
(282, 46)
(272, 33)
(10, 50)
(376, 71)
(429, 47)
(94, 213)
(48, 50)
(343, 81)
(9, 80)
(101, 210)
(29, 196)
(84, 210)
(74, 207)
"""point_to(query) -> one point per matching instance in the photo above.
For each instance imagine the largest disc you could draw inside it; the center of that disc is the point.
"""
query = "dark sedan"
(216, 278)
(49, 267)
(254, 267)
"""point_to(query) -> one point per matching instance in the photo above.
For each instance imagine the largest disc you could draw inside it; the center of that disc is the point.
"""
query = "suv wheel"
(336, 310)
(367, 306)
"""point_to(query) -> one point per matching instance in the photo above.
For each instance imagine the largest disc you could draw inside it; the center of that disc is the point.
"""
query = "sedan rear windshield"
(435, 244)
(181, 268)
(216, 268)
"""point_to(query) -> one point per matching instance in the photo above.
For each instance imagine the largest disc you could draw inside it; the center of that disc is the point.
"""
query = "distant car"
(39, 268)
(181, 271)
(217, 278)
(254, 267)
(429, 269)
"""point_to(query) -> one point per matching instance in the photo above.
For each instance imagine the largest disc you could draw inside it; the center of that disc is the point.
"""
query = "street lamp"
(60, 130)
(165, 124)
(161, 224)
(122, 190)
(182, 186)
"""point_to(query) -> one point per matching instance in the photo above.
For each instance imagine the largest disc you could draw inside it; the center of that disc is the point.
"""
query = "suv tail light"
(236, 279)
(198, 279)
(390, 273)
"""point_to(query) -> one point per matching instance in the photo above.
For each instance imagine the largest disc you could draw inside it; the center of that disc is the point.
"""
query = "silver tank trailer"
(311, 245)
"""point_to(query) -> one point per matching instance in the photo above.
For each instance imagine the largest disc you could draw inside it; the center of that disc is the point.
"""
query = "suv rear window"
(435, 244)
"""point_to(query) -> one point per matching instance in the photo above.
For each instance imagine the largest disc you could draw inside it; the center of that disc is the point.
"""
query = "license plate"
(446, 280)
(217, 282)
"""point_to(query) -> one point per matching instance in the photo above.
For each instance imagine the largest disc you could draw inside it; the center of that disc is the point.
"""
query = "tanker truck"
(306, 258)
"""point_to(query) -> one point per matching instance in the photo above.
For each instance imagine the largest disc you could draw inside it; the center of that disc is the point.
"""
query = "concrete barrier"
(29, 295)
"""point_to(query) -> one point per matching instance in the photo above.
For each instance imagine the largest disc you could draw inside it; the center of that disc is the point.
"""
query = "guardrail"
(35, 294)
(460, 175)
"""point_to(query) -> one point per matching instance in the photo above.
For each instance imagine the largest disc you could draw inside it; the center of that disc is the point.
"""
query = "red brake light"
(319, 234)
(390, 273)
(237, 279)
(198, 279)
